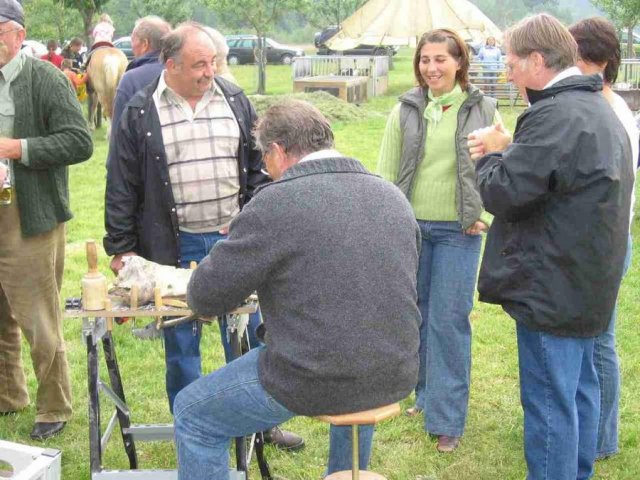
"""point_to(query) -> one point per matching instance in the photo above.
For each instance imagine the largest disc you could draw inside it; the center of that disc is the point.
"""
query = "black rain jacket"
(560, 194)
(140, 213)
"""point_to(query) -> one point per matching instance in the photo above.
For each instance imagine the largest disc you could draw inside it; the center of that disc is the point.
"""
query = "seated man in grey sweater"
(332, 251)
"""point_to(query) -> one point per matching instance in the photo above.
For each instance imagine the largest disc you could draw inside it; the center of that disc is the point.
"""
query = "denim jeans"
(182, 343)
(608, 368)
(446, 281)
(561, 401)
(231, 402)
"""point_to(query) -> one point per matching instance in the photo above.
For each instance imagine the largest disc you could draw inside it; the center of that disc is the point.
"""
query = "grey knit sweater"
(333, 254)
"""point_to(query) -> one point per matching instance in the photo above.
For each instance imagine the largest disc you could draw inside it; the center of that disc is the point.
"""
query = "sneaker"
(149, 332)
(283, 440)
(447, 444)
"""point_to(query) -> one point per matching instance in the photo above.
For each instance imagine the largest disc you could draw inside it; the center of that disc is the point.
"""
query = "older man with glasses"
(42, 131)
(560, 192)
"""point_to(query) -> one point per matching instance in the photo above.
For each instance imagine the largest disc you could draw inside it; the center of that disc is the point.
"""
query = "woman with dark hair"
(424, 153)
(599, 53)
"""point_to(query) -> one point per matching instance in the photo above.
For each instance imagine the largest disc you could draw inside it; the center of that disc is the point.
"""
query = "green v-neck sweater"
(433, 195)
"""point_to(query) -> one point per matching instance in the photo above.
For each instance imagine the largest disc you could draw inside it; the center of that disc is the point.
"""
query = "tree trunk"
(87, 18)
(261, 60)
(630, 50)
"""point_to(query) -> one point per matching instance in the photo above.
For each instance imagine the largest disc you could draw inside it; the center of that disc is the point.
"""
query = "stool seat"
(348, 475)
(367, 417)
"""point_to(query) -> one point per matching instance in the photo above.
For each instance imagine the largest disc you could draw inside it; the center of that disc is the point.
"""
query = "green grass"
(492, 445)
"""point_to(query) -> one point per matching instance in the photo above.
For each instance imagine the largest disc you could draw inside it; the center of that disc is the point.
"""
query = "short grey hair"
(544, 34)
(297, 126)
(152, 29)
(174, 41)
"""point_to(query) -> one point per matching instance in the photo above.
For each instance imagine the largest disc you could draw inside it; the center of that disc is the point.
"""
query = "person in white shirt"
(599, 53)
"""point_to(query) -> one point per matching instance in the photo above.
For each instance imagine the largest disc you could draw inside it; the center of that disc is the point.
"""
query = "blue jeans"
(561, 401)
(231, 402)
(608, 368)
(182, 343)
(446, 281)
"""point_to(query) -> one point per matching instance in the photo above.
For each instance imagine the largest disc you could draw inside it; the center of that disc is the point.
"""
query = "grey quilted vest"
(476, 112)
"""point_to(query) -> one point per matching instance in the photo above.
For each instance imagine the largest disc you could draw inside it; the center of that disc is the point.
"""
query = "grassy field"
(492, 445)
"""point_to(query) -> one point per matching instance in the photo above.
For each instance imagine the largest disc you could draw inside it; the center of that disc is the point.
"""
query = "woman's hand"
(476, 229)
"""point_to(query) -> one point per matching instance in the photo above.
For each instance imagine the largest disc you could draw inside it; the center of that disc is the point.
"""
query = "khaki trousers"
(30, 281)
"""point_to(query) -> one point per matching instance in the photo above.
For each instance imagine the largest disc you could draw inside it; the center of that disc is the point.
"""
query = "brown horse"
(105, 69)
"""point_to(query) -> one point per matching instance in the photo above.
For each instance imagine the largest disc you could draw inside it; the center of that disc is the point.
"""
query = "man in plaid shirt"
(183, 164)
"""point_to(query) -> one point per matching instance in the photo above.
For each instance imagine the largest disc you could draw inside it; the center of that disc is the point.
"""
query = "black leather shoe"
(283, 440)
(44, 430)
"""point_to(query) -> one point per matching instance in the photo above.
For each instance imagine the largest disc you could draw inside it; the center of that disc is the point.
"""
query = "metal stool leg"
(355, 452)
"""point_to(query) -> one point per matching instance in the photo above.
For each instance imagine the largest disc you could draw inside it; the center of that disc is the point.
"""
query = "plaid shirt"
(201, 146)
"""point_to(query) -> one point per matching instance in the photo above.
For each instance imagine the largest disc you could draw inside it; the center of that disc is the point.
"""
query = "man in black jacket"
(183, 164)
(560, 193)
(146, 40)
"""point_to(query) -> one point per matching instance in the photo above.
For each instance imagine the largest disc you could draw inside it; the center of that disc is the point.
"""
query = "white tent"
(402, 22)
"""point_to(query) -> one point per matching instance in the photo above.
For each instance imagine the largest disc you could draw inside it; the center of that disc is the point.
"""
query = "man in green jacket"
(42, 131)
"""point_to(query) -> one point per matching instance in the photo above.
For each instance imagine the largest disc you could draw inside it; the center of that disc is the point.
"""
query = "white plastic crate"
(31, 463)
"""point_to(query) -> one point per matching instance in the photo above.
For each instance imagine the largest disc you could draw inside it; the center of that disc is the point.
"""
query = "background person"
(599, 53)
(183, 164)
(51, 55)
(437, 176)
(103, 32)
(222, 68)
(72, 52)
(340, 337)
(146, 42)
(78, 80)
(554, 256)
(491, 56)
(41, 132)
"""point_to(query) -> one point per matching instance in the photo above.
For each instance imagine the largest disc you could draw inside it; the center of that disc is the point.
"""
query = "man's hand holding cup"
(488, 139)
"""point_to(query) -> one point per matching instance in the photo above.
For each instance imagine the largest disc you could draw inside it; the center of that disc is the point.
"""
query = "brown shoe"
(447, 444)
(283, 440)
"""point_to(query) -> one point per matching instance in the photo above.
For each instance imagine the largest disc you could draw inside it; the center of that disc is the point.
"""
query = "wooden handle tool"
(94, 283)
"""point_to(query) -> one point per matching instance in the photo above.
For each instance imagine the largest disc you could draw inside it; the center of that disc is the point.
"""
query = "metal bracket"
(94, 327)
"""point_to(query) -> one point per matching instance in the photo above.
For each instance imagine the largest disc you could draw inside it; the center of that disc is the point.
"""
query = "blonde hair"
(544, 34)
(222, 50)
(106, 18)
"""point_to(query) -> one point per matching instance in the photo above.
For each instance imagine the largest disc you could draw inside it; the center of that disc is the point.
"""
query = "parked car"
(322, 37)
(242, 48)
(124, 44)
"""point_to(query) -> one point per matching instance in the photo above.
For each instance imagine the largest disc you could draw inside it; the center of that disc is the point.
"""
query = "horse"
(105, 69)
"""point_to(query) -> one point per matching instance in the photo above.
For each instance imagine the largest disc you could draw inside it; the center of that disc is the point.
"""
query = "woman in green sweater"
(424, 153)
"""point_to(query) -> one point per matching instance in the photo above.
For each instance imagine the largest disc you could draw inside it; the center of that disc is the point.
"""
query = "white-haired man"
(42, 131)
